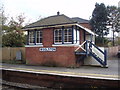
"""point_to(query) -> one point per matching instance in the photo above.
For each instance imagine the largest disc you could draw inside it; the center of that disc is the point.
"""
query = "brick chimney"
(58, 13)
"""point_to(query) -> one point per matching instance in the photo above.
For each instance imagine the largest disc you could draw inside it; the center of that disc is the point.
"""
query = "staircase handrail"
(96, 47)
(80, 46)
(104, 63)
(89, 51)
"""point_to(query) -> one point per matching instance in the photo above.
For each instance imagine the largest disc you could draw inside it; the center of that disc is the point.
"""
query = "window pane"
(56, 38)
(68, 35)
(60, 39)
(37, 40)
(37, 33)
(58, 35)
(40, 40)
(70, 31)
(39, 36)
(41, 33)
(70, 39)
(65, 32)
(31, 37)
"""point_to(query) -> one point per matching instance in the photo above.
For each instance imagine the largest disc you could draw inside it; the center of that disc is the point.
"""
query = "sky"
(35, 9)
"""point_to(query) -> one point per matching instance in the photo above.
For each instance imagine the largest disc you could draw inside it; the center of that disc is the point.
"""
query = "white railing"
(80, 46)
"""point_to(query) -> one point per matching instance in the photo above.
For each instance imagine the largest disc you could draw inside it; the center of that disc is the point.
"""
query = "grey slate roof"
(56, 20)
(80, 20)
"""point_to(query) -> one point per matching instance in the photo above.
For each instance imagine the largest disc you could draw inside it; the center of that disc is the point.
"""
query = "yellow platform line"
(60, 72)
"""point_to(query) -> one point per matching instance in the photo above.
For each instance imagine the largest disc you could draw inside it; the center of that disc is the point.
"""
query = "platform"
(110, 73)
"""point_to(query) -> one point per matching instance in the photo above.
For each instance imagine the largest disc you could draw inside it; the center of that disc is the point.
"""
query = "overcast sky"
(35, 8)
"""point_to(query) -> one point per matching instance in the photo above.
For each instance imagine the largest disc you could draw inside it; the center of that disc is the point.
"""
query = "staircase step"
(98, 59)
(80, 53)
(94, 55)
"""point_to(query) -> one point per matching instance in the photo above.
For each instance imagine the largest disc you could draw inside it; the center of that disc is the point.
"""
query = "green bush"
(99, 41)
(13, 39)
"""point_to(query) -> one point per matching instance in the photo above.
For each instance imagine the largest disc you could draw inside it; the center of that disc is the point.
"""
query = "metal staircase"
(90, 49)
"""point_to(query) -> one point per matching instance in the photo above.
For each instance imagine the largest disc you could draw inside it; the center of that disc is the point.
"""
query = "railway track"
(39, 81)
(6, 85)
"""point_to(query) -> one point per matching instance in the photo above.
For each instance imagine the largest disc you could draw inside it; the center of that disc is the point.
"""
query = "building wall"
(81, 36)
(63, 56)
(48, 37)
(86, 25)
(87, 37)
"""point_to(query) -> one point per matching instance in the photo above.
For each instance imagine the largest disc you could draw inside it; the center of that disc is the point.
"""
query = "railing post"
(105, 57)
(90, 46)
(86, 47)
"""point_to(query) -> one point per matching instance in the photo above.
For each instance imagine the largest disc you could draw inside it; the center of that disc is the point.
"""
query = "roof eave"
(59, 25)
(87, 30)
(48, 26)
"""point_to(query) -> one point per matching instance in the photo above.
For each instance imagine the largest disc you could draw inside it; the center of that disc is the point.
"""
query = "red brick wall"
(81, 36)
(48, 37)
(86, 25)
(63, 56)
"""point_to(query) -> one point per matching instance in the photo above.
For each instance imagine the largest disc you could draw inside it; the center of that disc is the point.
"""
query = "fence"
(9, 53)
(112, 51)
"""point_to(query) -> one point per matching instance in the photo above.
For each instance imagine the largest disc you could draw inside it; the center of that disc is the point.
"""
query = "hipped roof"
(80, 20)
(58, 20)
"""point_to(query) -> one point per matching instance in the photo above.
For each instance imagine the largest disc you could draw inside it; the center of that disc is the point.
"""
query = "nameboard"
(47, 49)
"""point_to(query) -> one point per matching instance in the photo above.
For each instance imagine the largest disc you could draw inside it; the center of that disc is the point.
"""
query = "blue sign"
(47, 49)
